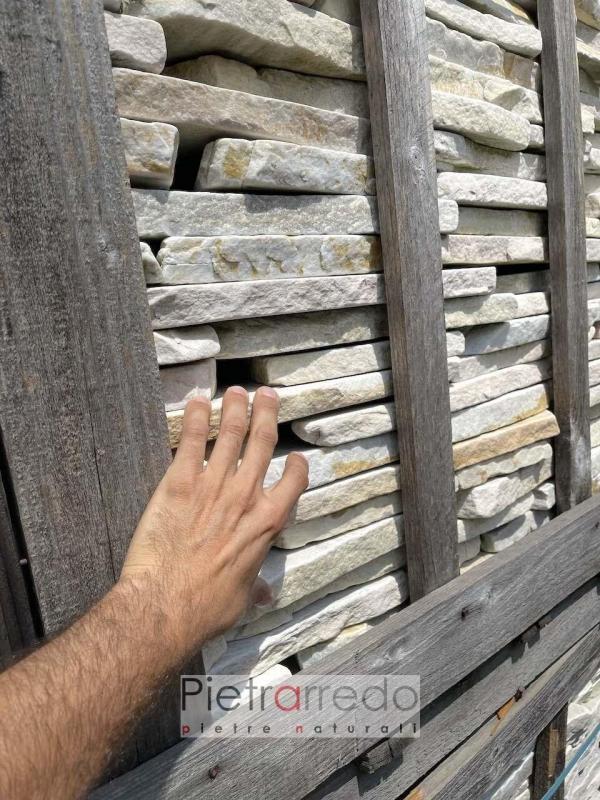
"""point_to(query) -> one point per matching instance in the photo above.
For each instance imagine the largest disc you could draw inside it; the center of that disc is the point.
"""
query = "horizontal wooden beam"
(443, 637)
(484, 758)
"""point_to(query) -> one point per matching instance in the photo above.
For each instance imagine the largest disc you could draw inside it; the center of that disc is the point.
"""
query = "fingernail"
(239, 390)
(268, 392)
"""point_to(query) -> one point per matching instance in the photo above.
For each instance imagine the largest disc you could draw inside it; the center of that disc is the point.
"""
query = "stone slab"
(241, 165)
(344, 494)
(483, 122)
(151, 267)
(492, 191)
(504, 537)
(346, 10)
(499, 413)
(454, 151)
(292, 574)
(329, 525)
(467, 551)
(503, 465)
(523, 39)
(498, 494)
(544, 497)
(311, 365)
(532, 304)
(182, 382)
(329, 430)
(473, 528)
(483, 250)
(504, 9)
(470, 367)
(181, 345)
(588, 11)
(135, 43)
(203, 113)
(500, 222)
(498, 442)
(467, 311)
(332, 94)
(150, 153)
(495, 384)
(492, 338)
(316, 623)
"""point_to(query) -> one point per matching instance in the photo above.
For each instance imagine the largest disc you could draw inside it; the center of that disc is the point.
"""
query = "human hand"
(206, 531)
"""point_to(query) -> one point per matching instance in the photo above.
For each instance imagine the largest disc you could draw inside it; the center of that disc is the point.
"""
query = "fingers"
(234, 424)
(262, 438)
(293, 483)
(192, 446)
(261, 595)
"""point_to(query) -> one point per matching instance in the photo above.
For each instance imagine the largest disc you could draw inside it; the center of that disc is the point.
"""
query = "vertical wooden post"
(568, 273)
(81, 416)
(401, 118)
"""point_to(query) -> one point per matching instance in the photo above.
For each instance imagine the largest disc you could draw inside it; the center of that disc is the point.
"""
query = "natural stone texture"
(588, 58)
(290, 575)
(482, 250)
(467, 551)
(182, 382)
(503, 465)
(342, 495)
(259, 621)
(346, 10)
(312, 365)
(507, 535)
(506, 335)
(135, 43)
(267, 336)
(495, 384)
(452, 45)
(466, 311)
(587, 84)
(329, 430)
(498, 494)
(468, 282)
(160, 214)
(588, 11)
(594, 373)
(492, 191)
(544, 497)
(356, 516)
(594, 395)
(275, 33)
(523, 39)
(524, 71)
(460, 80)
(504, 9)
(592, 228)
(592, 205)
(593, 249)
(152, 270)
(465, 369)
(537, 280)
(211, 259)
(178, 306)
(316, 623)
(499, 413)
(455, 151)
(592, 160)
(202, 113)
(505, 440)
(309, 658)
(537, 138)
(499, 222)
(150, 153)
(186, 344)
(331, 464)
(472, 528)
(532, 303)
(332, 94)
(484, 123)
(238, 164)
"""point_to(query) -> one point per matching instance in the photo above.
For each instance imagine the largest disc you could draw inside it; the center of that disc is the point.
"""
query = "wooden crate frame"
(84, 438)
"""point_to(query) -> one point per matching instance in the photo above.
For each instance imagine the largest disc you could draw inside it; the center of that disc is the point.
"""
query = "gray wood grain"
(81, 415)
(568, 273)
(443, 637)
(447, 722)
(395, 43)
(484, 759)
(549, 757)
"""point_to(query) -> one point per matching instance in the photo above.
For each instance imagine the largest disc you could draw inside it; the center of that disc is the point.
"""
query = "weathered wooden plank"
(401, 120)
(80, 409)
(443, 637)
(568, 273)
(458, 713)
(482, 760)
(549, 756)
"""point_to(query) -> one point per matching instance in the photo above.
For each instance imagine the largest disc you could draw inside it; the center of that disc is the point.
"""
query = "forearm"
(66, 708)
